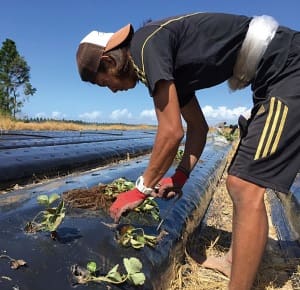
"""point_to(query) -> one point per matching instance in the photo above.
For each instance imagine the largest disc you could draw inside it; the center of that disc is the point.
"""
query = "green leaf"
(151, 241)
(114, 276)
(140, 238)
(150, 238)
(43, 199)
(50, 211)
(113, 270)
(60, 208)
(137, 244)
(129, 185)
(125, 240)
(137, 278)
(55, 221)
(53, 197)
(148, 207)
(91, 266)
(132, 265)
(155, 215)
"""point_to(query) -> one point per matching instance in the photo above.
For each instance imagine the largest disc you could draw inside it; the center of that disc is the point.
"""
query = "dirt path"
(213, 238)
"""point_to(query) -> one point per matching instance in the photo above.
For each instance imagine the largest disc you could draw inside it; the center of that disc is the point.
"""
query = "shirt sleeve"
(158, 58)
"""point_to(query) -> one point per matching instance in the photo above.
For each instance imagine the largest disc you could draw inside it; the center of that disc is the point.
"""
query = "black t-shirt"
(278, 62)
(196, 51)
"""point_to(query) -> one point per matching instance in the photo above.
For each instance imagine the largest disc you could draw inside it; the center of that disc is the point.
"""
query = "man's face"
(114, 83)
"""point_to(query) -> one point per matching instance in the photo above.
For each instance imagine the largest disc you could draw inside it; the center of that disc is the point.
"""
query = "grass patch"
(7, 124)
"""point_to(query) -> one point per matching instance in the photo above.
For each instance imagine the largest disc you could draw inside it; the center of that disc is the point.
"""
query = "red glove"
(125, 201)
(168, 187)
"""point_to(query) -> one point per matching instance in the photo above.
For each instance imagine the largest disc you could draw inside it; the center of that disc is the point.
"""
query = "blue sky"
(47, 34)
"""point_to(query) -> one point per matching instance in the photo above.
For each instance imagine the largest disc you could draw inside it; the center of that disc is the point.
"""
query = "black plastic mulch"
(85, 235)
(28, 156)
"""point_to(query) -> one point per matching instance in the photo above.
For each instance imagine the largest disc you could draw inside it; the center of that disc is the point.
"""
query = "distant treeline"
(79, 122)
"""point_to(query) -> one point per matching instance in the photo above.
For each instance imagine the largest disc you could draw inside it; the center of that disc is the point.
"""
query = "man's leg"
(221, 264)
(249, 231)
(249, 234)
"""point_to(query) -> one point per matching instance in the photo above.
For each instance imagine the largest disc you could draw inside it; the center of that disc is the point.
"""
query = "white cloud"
(212, 114)
(120, 115)
(40, 115)
(90, 116)
(223, 113)
(148, 115)
(57, 115)
(54, 115)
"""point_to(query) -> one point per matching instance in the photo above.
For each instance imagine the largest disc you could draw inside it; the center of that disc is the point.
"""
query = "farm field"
(123, 149)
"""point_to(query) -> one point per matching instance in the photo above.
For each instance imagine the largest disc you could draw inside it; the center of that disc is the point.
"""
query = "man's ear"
(108, 60)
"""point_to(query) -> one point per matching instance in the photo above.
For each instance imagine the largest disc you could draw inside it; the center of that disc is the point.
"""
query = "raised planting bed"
(27, 156)
(89, 234)
(286, 218)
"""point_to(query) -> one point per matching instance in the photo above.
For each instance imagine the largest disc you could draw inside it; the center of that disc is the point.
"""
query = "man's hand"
(126, 201)
(169, 187)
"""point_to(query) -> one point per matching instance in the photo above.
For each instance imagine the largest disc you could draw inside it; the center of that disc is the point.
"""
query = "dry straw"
(276, 272)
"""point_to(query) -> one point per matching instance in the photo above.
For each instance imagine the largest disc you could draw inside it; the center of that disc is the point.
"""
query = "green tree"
(15, 86)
